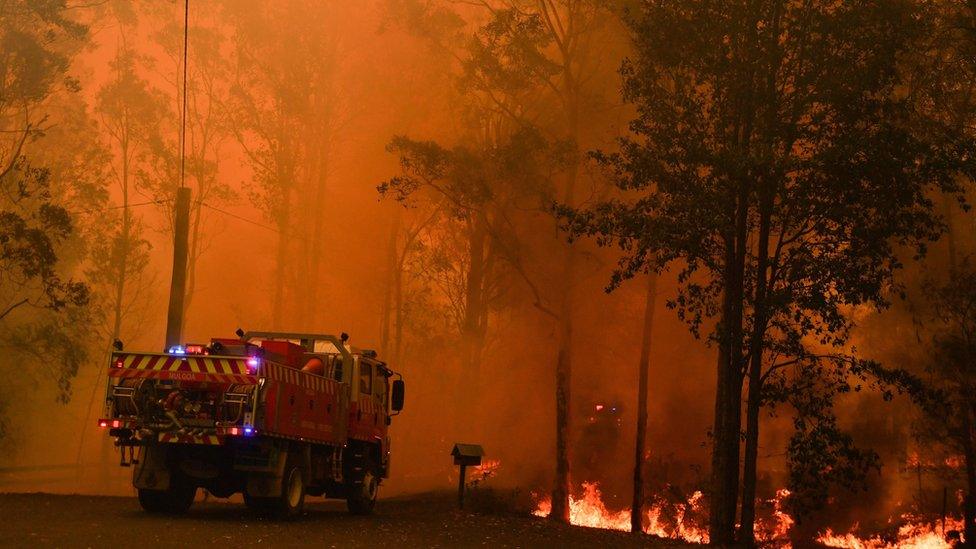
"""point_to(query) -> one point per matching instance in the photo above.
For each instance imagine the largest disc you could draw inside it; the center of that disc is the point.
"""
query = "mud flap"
(151, 473)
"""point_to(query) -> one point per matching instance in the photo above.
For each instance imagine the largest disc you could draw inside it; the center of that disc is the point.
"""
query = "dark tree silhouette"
(781, 159)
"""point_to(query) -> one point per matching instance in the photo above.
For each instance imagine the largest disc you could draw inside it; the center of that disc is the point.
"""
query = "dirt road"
(44, 520)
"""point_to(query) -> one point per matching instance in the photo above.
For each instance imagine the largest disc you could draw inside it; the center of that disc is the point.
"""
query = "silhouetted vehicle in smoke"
(275, 416)
(600, 434)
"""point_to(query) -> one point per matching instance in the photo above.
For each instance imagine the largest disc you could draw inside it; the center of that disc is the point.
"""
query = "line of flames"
(590, 511)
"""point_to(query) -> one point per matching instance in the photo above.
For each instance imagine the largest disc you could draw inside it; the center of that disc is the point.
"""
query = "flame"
(589, 510)
(483, 472)
(778, 528)
(682, 528)
(914, 534)
(676, 523)
(487, 468)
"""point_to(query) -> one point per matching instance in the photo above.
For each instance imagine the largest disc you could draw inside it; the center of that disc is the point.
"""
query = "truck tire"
(291, 501)
(362, 492)
(175, 500)
(292, 498)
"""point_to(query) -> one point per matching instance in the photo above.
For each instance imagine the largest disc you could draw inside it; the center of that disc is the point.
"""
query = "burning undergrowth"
(482, 497)
(669, 517)
(681, 514)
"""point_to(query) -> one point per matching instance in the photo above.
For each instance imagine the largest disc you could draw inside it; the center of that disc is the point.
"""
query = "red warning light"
(196, 350)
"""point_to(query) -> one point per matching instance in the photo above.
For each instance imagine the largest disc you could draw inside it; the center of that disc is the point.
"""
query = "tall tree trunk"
(637, 504)
(474, 301)
(281, 264)
(124, 244)
(564, 372)
(571, 93)
(564, 364)
(125, 237)
(398, 315)
(560, 490)
(467, 391)
(721, 516)
(728, 399)
(392, 265)
(318, 236)
(754, 399)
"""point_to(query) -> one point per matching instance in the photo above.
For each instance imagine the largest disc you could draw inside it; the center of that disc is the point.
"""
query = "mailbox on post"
(465, 455)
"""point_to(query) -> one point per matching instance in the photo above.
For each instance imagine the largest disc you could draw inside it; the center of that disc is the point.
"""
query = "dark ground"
(45, 520)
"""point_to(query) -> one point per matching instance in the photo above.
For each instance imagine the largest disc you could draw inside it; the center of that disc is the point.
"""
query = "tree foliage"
(44, 305)
(948, 421)
(782, 159)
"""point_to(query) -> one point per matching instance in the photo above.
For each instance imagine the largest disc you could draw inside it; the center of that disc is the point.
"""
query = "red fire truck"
(275, 416)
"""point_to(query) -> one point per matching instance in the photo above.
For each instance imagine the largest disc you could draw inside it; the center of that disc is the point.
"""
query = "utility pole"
(177, 288)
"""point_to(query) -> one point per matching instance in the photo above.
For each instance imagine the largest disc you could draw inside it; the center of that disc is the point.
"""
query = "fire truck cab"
(274, 416)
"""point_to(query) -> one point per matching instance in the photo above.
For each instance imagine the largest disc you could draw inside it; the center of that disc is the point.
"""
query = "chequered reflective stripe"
(312, 382)
(141, 365)
(202, 376)
(177, 438)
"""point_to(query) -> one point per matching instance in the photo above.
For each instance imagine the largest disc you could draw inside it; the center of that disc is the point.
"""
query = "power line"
(108, 208)
(200, 203)
(186, 43)
(244, 219)
(252, 222)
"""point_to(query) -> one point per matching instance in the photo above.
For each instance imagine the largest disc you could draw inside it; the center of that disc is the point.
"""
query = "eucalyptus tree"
(129, 110)
(547, 56)
(288, 111)
(780, 159)
(43, 300)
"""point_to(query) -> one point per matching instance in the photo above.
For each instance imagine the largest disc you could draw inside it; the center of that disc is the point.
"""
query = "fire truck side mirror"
(397, 396)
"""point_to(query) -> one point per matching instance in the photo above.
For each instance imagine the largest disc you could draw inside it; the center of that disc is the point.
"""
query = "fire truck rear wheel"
(175, 500)
(292, 492)
(362, 495)
(291, 501)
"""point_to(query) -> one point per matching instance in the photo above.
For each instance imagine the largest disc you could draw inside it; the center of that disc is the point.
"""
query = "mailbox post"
(465, 455)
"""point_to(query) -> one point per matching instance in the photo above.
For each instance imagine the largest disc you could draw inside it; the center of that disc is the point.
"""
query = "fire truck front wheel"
(175, 500)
